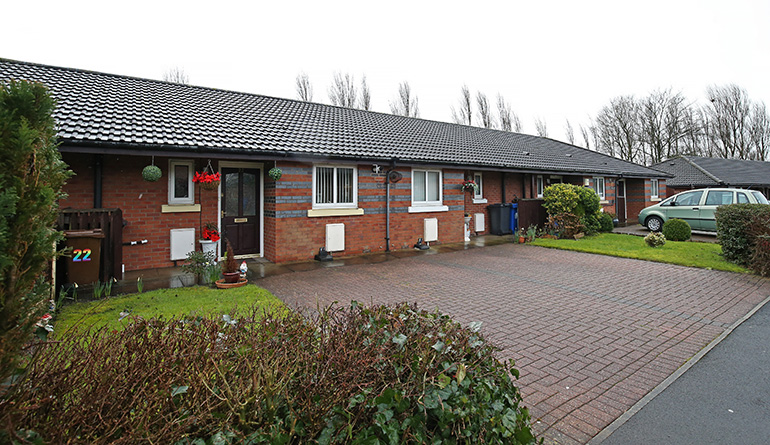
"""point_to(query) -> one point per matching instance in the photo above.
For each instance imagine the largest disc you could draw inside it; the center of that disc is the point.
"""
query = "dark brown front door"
(620, 200)
(240, 209)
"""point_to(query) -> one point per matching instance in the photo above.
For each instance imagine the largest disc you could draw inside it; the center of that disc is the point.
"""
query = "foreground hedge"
(355, 375)
(737, 228)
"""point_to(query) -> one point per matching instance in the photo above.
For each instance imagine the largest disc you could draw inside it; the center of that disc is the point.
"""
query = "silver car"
(697, 207)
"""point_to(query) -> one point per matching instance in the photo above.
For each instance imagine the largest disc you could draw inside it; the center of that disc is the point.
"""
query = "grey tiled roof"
(119, 111)
(697, 171)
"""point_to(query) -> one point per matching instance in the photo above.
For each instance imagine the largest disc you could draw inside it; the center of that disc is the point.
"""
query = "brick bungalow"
(690, 172)
(334, 161)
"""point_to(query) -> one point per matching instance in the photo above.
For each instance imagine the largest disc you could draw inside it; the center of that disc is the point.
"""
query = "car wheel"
(654, 223)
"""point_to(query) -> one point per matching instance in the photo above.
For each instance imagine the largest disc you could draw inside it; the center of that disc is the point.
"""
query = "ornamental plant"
(565, 201)
(469, 185)
(31, 182)
(676, 229)
(205, 177)
(655, 239)
(210, 232)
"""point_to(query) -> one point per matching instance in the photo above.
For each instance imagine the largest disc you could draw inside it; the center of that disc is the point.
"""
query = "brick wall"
(639, 196)
(300, 236)
(492, 191)
(140, 201)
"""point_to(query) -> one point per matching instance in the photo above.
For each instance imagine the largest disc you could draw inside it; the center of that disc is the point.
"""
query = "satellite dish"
(394, 176)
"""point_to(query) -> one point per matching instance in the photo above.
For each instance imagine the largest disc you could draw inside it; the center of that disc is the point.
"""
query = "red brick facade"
(289, 232)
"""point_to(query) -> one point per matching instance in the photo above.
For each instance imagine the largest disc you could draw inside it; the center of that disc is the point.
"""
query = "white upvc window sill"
(655, 199)
(316, 213)
(479, 200)
(428, 208)
(604, 201)
(180, 208)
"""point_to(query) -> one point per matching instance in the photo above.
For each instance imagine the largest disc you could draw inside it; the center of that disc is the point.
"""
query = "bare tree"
(304, 87)
(516, 123)
(405, 104)
(485, 111)
(504, 114)
(176, 75)
(569, 132)
(365, 101)
(665, 124)
(464, 114)
(343, 91)
(541, 128)
(729, 120)
(617, 129)
(760, 132)
(588, 133)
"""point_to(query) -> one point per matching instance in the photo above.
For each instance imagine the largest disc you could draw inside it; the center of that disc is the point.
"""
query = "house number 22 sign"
(81, 255)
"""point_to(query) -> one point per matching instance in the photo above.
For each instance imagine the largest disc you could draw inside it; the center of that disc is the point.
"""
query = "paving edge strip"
(606, 432)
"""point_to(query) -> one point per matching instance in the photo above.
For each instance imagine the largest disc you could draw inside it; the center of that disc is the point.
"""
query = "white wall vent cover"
(478, 222)
(431, 230)
(335, 237)
(182, 243)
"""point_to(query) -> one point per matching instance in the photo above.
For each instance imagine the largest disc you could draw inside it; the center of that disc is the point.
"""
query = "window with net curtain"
(426, 187)
(335, 187)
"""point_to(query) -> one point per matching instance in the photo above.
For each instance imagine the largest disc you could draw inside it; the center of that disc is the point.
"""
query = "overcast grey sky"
(553, 60)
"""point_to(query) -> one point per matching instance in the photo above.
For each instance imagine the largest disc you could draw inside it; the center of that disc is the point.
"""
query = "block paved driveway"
(590, 334)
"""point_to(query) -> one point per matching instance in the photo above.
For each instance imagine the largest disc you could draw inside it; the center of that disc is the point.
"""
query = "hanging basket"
(151, 173)
(275, 173)
(207, 179)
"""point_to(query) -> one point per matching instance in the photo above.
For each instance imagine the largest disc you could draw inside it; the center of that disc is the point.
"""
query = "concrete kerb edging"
(606, 432)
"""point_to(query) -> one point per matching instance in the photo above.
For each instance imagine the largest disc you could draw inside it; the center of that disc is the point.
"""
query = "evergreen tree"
(31, 181)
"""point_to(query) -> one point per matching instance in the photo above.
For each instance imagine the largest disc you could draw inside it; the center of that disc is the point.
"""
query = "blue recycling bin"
(514, 217)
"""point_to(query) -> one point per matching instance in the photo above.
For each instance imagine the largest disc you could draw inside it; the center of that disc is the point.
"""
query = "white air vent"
(431, 230)
(182, 243)
(478, 222)
(335, 237)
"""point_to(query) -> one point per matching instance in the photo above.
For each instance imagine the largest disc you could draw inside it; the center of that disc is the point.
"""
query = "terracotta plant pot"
(231, 277)
(522, 240)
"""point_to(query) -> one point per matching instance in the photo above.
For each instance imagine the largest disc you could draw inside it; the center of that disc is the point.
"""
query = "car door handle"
(695, 208)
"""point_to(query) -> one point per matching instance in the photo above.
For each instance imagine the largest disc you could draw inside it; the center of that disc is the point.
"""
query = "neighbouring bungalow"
(690, 172)
(352, 181)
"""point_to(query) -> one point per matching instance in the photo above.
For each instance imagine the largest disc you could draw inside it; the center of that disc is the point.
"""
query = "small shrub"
(734, 233)
(677, 229)
(606, 223)
(564, 225)
(361, 375)
(655, 239)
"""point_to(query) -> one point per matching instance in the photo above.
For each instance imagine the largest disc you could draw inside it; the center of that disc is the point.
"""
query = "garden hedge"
(349, 375)
(735, 232)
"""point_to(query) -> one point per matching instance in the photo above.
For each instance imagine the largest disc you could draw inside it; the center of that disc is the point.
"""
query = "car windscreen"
(760, 197)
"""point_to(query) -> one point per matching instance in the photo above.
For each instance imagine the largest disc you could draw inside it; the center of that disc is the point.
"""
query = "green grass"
(167, 303)
(683, 253)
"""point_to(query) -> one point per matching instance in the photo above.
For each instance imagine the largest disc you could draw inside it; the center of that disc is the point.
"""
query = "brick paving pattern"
(590, 334)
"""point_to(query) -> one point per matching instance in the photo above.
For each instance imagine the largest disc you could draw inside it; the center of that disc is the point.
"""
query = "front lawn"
(167, 303)
(683, 253)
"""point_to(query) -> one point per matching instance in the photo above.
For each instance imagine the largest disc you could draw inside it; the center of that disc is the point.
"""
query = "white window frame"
(598, 179)
(172, 163)
(429, 206)
(654, 189)
(539, 185)
(478, 178)
(336, 205)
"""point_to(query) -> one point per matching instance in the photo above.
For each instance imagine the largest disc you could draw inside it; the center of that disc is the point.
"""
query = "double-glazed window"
(599, 186)
(180, 185)
(426, 187)
(539, 186)
(335, 187)
(654, 189)
(479, 180)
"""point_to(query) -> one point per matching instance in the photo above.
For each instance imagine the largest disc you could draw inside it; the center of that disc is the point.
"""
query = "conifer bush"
(676, 229)
(348, 375)
(31, 181)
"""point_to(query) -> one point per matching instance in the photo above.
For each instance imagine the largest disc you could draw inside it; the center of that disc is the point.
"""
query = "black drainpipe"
(523, 185)
(502, 186)
(98, 181)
